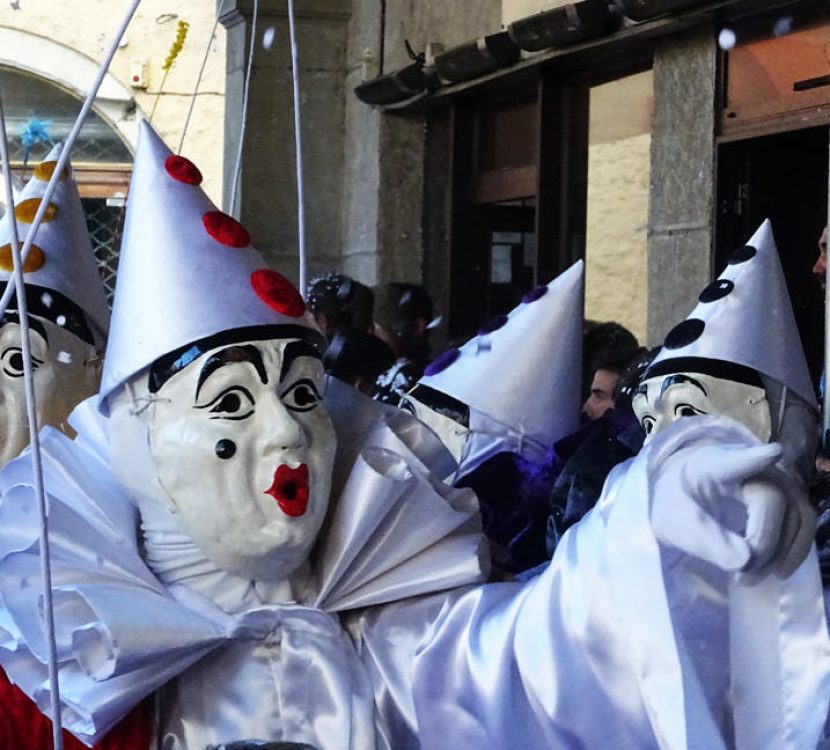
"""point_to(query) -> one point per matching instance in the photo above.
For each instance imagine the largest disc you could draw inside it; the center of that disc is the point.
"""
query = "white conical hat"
(744, 317)
(61, 258)
(522, 372)
(186, 272)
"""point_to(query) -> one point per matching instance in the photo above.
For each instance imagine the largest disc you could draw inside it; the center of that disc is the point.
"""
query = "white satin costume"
(620, 644)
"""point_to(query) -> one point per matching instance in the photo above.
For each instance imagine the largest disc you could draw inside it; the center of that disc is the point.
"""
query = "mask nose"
(284, 431)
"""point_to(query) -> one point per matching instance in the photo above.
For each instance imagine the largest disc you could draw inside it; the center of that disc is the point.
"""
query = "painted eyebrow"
(677, 379)
(640, 390)
(229, 356)
(295, 349)
(34, 323)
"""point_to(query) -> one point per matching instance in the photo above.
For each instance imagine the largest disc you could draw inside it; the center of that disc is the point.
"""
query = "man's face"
(601, 398)
(66, 371)
(820, 266)
(664, 399)
(244, 451)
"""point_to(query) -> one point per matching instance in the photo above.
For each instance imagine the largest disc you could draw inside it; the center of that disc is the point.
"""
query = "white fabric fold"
(622, 642)
(123, 634)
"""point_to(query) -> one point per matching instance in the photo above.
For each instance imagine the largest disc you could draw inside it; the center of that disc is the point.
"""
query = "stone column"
(681, 216)
(384, 187)
(266, 201)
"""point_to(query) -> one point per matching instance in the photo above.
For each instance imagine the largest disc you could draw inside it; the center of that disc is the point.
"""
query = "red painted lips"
(290, 489)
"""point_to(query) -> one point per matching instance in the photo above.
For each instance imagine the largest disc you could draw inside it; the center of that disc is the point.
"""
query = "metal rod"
(34, 440)
(298, 148)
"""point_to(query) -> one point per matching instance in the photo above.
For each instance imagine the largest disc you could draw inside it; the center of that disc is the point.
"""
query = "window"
(38, 115)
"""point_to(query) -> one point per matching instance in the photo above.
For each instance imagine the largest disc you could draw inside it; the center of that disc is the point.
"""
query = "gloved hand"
(697, 490)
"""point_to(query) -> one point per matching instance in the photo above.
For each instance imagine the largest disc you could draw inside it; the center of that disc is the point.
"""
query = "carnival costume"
(69, 318)
(377, 643)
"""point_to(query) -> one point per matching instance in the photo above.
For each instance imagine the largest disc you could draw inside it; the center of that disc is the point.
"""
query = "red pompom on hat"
(226, 229)
(277, 292)
(183, 170)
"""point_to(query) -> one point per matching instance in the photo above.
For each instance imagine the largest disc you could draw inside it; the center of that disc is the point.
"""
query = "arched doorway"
(40, 113)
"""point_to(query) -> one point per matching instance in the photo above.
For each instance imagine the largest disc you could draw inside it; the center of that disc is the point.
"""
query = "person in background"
(819, 272)
(606, 346)
(820, 266)
(604, 384)
(357, 358)
(403, 313)
(338, 301)
(590, 454)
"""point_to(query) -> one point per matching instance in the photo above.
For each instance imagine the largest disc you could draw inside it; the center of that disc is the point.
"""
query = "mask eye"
(234, 403)
(686, 410)
(12, 362)
(301, 396)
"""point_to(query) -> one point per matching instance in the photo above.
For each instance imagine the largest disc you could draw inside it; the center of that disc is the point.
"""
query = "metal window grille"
(104, 223)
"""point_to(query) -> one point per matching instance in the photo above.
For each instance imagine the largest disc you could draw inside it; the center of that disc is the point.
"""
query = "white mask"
(664, 399)
(434, 411)
(67, 370)
(244, 452)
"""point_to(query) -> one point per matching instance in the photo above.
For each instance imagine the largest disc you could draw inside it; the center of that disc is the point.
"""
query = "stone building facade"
(634, 154)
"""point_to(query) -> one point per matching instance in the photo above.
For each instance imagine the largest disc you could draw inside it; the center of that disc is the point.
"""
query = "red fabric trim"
(24, 727)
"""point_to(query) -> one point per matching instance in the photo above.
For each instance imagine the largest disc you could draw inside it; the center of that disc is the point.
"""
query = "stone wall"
(87, 28)
(618, 197)
(383, 189)
(266, 196)
(683, 179)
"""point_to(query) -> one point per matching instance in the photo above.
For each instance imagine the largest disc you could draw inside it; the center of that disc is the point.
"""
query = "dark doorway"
(781, 177)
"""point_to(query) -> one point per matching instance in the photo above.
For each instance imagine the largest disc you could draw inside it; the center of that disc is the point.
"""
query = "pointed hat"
(521, 374)
(187, 271)
(61, 265)
(744, 317)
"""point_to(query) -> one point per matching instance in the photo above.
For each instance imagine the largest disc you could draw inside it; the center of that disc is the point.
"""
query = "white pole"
(67, 147)
(298, 147)
(34, 440)
(237, 169)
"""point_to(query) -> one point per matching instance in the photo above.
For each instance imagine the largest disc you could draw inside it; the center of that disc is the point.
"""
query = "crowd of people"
(286, 523)
(378, 342)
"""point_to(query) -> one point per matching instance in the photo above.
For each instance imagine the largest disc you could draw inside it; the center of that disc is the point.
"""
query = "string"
(237, 170)
(199, 77)
(298, 147)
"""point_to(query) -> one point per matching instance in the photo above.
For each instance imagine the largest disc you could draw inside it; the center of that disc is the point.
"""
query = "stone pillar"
(681, 215)
(266, 201)
(384, 187)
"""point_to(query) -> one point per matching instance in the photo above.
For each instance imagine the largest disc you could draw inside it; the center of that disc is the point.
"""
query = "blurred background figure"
(587, 457)
(338, 301)
(820, 266)
(402, 318)
(357, 358)
(607, 350)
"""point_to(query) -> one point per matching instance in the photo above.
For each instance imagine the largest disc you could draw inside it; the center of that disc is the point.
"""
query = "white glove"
(727, 503)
